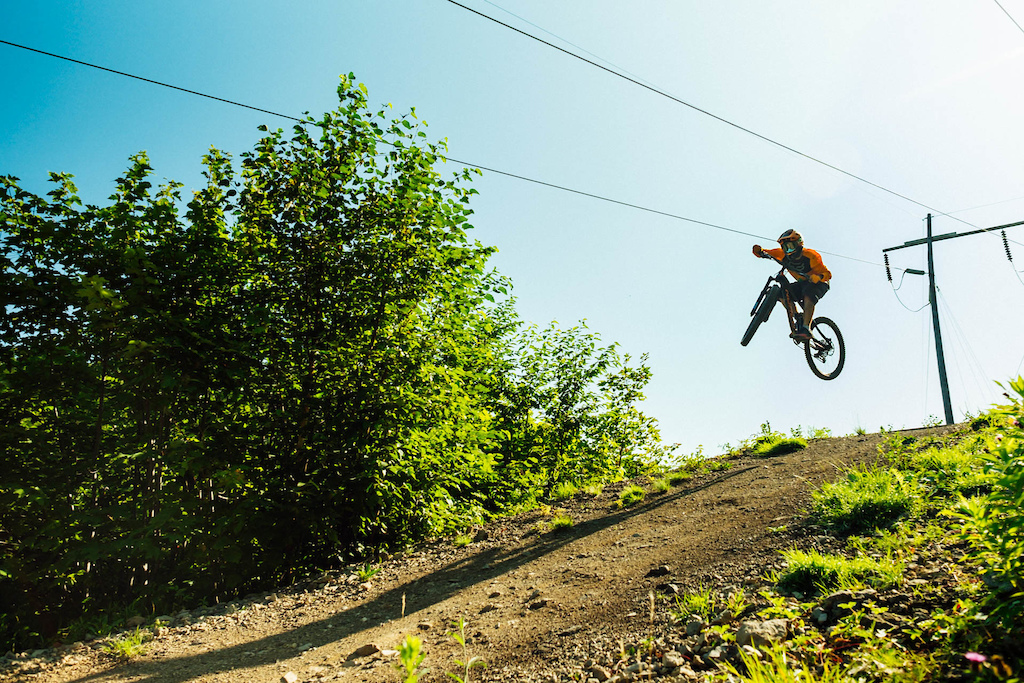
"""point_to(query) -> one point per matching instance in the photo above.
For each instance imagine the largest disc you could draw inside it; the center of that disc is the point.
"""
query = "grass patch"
(560, 521)
(809, 571)
(631, 495)
(699, 602)
(677, 478)
(867, 499)
(128, 646)
(718, 465)
(563, 491)
(594, 490)
(660, 485)
(780, 446)
(463, 540)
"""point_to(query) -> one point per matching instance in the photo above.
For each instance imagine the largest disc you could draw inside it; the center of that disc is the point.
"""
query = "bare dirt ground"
(532, 600)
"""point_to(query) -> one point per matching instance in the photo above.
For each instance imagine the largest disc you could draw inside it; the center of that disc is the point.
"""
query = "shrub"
(994, 524)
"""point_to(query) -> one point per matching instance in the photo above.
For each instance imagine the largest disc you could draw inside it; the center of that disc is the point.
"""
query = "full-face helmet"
(791, 242)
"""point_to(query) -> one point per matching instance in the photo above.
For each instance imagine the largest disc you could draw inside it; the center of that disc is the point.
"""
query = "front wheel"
(825, 350)
(761, 314)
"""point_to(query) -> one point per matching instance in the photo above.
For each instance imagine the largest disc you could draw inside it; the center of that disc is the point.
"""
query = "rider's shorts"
(801, 288)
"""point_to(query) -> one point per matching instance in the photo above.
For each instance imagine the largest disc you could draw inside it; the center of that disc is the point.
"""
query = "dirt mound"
(530, 598)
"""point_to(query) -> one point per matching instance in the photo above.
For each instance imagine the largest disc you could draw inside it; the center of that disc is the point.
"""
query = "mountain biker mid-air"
(809, 272)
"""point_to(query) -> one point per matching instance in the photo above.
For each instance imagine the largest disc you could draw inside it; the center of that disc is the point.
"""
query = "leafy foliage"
(301, 364)
(994, 524)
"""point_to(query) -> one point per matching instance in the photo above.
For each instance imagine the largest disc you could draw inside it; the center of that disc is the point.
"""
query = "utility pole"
(939, 356)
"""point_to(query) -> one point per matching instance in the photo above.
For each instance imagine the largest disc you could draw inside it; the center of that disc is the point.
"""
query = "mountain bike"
(825, 350)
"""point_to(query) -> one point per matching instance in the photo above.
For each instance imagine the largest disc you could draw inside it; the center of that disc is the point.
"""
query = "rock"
(490, 607)
(136, 622)
(760, 633)
(600, 673)
(694, 626)
(364, 651)
(572, 630)
(425, 625)
(723, 617)
(751, 652)
(365, 586)
(481, 535)
(668, 588)
(672, 659)
(290, 677)
(494, 594)
(819, 615)
(663, 570)
(305, 646)
(688, 673)
(540, 604)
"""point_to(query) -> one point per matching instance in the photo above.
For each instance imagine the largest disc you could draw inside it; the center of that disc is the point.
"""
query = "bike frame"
(786, 300)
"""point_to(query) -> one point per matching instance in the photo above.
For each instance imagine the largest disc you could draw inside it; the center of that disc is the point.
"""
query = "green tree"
(303, 363)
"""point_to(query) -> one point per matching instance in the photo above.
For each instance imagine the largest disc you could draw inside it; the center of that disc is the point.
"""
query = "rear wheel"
(825, 350)
(761, 314)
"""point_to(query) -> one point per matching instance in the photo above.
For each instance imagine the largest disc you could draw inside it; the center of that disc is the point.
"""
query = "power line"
(465, 163)
(150, 80)
(700, 110)
(555, 35)
(1009, 15)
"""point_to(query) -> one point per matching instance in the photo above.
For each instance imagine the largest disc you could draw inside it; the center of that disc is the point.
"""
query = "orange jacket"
(807, 266)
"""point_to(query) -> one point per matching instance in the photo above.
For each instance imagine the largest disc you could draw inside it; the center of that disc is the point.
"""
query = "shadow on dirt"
(418, 595)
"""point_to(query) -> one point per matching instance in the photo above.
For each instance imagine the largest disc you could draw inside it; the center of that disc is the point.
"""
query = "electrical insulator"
(888, 273)
(1006, 245)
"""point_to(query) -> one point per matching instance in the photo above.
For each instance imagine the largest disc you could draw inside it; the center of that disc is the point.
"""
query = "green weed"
(776, 665)
(127, 646)
(467, 663)
(677, 478)
(594, 489)
(699, 602)
(660, 485)
(410, 656)
(810, 570)
(631, 495)
(563, 491)
(462, 540)
(560, 521)
(779, 447)
(367, 572)
(866, 499)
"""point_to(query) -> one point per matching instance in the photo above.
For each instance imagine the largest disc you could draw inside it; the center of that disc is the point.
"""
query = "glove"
(813, 279)
(758, 251)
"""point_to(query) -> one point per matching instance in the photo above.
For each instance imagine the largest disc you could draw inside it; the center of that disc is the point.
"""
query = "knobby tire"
(761, 314)
(823, 327)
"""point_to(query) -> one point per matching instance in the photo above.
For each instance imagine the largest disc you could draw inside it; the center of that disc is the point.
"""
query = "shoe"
(801, 333)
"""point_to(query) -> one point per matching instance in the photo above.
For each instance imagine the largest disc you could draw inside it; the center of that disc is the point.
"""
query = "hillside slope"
(535, 603)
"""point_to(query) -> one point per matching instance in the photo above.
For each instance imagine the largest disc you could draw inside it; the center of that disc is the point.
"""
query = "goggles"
(789, 247)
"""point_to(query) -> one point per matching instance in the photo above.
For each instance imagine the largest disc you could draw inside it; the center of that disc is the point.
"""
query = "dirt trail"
(526, 596)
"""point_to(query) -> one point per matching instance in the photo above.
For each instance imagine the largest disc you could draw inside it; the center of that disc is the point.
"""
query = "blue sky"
(920, 97)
